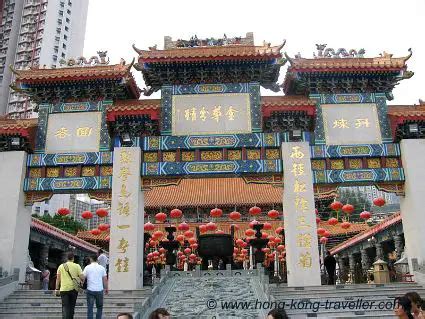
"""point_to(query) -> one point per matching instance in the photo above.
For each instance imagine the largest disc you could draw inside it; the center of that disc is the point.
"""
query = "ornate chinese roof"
(149, 107)
(406, 111)
(345, 73)
(50, 230)
(286, 103)
(386, 223)
(23, 128)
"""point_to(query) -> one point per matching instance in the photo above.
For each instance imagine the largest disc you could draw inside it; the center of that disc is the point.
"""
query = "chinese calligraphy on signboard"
(300, 220)
(73, 132)
(351, 124)
(126, 219)
(211, 114)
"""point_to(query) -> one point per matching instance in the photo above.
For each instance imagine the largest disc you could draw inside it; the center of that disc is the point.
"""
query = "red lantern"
(265, 250)
(211, 226)
(180, 238)
(345, 225)
(188, 234)
(107, 238)
(203, 228)
(279, 230)
(273, 213)
(95, 232)
(216, 212)
(194, 246)
(149, 227)
(176, 213)
(321, 231)
(336, 205)
(235, 215)
(87, 214)
(102, 212)
(254, 211)
(192, 240)
(187, 251)
(192, 256)
(326, 234)
(348, 208)
(267, 226)
(316, 211)
(249, 232)
(379, 201)
(332, 221)
(324, 240)
(157, 234)
(244, 252)
(317, 220)
(239, 242)
(103, 227)
(183, 227)
(155, 253)
(264, 235)
(63, 211)
(162, 250)
(161, 217)
(365, 215)
(277, 240)
(280, 247)
(251, 224)
(153, 243)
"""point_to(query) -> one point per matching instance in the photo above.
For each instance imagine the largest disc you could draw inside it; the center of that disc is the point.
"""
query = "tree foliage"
(66, 223)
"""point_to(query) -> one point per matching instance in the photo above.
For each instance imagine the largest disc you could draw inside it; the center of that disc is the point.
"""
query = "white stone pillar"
(14, 216)
(127, 215)
(302, 248)
(413, 203)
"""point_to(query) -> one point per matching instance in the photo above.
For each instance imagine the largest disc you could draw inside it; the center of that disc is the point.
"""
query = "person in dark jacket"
(330, 265)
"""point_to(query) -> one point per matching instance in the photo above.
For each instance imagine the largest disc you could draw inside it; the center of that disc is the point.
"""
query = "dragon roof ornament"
(81, 61)
(323, 52)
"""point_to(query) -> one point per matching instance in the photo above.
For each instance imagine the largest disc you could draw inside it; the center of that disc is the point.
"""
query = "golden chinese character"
(62, 133)
(305, 260)
(123, 209)
(124, 192)
(301, 204)
(203, 114)
(216, 113)
(304, 240)
(299, 187)
(230, 113)
(362, 123)
(302, 224)
(123, 246)
(296, 153)
(84, 131)
(125, 157)
(190, 114)
(122, 265)
(341, 123)
(123, 226)
(298, 169)
(124, 173)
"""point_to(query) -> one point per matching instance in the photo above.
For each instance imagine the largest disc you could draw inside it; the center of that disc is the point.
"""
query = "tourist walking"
(45, 276)
(403, 308)
(67, 278)
(97, 284)
(330, 265)
(103, 260)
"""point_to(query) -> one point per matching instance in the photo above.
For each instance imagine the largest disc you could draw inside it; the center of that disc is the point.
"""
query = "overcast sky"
(376, 25)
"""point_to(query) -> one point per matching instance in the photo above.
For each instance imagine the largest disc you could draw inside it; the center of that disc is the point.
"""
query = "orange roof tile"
(200, 53)
(210, 191)
(131, 105)
(379, 63)
(406, 110)
(225, 226)
(371, 231)
(286, 100)
(91, 72)
(16, 124)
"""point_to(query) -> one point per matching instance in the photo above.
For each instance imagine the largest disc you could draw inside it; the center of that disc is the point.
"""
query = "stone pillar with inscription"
(302, 252)
(127, 214)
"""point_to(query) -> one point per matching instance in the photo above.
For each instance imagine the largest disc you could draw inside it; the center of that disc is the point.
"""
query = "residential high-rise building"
(78, 205)
(51, 205)
(36, 33)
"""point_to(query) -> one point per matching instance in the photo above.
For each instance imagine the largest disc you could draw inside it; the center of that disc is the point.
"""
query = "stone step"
(49, 311)
(79, 300)
(345, 287)
(420, 291)
(111, 292)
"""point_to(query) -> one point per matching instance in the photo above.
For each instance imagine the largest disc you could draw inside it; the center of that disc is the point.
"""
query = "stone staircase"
(36, 304)
(341, 301)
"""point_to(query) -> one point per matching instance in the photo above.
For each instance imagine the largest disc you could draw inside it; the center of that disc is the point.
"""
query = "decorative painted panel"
(67, 184)
(188, 156)
(378, 99)
(367, 150)
(88, 171)
(374, 163)
(77, 107)
(355, 163)
(211, 156)
(90, 158)
(359, 176)
(272, 154)
(70, 171)
(218, 167)
(155, 143)
(150, 157)
(169, 156)
(106, 171)
(253, 154)
(234, 155)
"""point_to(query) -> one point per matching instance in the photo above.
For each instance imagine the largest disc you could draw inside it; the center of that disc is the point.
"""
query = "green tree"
(66, 223)
(356, 198)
